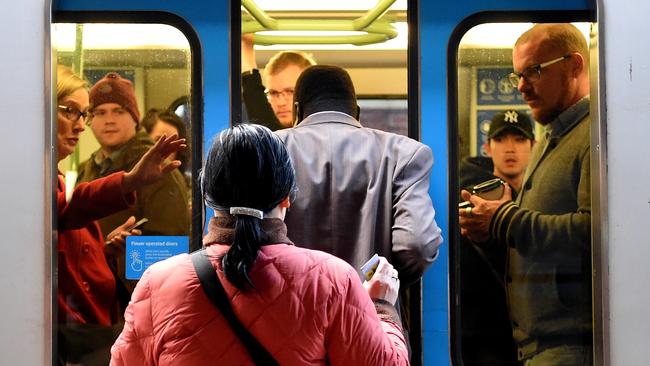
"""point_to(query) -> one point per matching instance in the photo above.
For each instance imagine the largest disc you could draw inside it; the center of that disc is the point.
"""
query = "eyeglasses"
(532, 73)
(275, 94)
(73, 114)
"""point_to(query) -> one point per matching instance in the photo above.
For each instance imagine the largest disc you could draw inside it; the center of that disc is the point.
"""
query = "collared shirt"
(569, 117)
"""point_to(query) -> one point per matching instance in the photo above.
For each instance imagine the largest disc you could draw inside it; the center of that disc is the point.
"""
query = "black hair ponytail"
(243, 251)
(247, 166)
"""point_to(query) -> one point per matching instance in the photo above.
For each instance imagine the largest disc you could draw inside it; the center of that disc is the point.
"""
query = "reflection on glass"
(500, 324)
(114, 75)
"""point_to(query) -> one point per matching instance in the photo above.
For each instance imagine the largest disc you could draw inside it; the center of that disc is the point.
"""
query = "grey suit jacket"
(362, 191)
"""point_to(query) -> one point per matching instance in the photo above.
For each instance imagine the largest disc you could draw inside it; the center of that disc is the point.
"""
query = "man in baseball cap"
(115, 124)
(486, 330)
(513, 120)
(510, 141)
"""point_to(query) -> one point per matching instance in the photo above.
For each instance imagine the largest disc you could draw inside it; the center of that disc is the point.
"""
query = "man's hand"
(154, 164)
(247, 53)
(475, 221)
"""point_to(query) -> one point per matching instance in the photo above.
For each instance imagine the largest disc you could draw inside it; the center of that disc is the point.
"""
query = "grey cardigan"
(548, 235)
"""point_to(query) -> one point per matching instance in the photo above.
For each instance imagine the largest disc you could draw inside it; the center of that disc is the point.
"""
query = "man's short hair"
(325, 87)
(282, 60)
(564, 37)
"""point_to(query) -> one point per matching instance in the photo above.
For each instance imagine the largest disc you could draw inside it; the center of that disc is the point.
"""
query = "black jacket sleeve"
(257, 107)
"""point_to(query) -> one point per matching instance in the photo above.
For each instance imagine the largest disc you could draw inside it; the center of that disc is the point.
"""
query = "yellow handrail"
(371, 28)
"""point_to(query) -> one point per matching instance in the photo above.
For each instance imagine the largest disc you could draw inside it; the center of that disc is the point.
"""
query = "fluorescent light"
(119, 36)
(503, 35)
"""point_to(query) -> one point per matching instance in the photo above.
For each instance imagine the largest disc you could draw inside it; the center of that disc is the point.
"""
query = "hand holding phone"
(118, 236)
(369, 268)
(140, 222)
(492, 189)
(382, 280)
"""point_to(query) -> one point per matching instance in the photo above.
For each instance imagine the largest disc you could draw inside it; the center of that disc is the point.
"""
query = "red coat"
(310, 310)
(86, 286)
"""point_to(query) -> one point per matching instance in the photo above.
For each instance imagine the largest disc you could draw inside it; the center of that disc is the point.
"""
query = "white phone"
(369, 268)
(137, 224)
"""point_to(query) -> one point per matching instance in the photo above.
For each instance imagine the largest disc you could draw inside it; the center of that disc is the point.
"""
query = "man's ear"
(297, 113)
(578, 64)
(486, 147)
(358, 112)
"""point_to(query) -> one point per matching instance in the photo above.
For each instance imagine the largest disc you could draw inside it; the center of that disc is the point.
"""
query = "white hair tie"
(247, 211)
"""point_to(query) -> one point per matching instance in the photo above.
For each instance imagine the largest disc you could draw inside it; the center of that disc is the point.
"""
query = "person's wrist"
(128, 182)
(250, 72)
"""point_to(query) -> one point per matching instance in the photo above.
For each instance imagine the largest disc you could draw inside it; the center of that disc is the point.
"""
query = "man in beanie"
(115, 124)
(486, 335)
(361, 191)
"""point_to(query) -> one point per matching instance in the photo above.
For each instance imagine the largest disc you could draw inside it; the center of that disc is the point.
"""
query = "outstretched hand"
(154, 164)
(475, 221)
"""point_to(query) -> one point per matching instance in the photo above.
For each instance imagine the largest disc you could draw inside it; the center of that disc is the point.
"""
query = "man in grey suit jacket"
(361, 191)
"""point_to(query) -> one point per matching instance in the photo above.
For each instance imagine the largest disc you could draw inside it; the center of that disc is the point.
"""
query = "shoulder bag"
(215, 292)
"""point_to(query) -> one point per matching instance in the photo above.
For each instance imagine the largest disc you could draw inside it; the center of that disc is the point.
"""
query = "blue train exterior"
(622, 319)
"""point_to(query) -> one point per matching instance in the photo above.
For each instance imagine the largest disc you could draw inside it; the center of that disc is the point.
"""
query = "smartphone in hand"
(140, 222)
(369, 268)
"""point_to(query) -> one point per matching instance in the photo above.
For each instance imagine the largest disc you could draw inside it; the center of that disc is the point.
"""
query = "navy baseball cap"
(513, 120)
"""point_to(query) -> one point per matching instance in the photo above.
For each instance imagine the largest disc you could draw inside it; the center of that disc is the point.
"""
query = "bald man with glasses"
(546, 232)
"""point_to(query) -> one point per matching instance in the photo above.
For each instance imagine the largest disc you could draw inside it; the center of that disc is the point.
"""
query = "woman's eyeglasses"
(73, 114)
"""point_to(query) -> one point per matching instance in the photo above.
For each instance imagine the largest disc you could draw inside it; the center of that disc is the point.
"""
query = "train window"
(387, 114)
(368, 56)
(119, 88)
(526, 288)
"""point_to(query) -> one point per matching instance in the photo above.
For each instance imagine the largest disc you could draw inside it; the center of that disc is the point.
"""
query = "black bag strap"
(214, 289)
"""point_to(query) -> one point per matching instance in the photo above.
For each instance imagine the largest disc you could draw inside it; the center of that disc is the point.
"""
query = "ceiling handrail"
(374, 29)
(373, 14)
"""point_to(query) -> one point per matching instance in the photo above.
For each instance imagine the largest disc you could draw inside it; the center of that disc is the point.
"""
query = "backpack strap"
(214, 290)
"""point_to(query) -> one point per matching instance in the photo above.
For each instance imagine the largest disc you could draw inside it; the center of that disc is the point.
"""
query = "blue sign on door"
(143, 251)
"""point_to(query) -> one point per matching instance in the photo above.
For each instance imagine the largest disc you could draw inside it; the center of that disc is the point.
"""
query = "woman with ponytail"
(304, 307)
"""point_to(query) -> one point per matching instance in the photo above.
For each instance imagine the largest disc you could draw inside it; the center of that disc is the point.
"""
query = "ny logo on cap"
(510, 116)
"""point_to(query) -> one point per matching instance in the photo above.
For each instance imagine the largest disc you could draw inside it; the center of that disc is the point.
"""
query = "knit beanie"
(115, 89)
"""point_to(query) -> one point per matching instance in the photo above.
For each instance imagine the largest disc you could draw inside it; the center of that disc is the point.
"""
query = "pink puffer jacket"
(310, 310)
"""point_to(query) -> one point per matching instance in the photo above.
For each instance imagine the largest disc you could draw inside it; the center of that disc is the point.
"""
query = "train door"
(480, 330)
(380, 56)
(156, 52)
